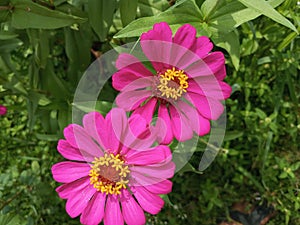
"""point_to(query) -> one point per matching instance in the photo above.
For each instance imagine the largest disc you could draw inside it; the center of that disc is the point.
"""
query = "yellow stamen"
(172, 83)
(109, 174)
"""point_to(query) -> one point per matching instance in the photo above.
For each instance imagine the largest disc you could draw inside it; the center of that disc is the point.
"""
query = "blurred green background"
(45, 47)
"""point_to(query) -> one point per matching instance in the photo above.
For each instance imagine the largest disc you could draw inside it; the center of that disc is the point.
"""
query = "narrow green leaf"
(27, 14)
(101, 16)
(266, 9)
(6, 35)
(287, 41)
(128, 10)
(100, 106)
(47, 137)
(9, 45)
(184, 12)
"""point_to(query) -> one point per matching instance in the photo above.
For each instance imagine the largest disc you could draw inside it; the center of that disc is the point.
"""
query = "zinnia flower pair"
(120, 166)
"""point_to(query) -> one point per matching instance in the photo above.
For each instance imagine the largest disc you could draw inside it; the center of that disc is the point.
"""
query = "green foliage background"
(45, 47)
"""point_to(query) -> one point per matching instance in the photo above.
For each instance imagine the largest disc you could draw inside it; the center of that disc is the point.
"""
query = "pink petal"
(199, 124)
(215, 61)
(156, 45)
(210, 87)
(65, 172)
(77, 201)
(94, 125)
(66, 190)
(202, 46)
(163, 114)
(150, 156)
(132, 212)
(208, 107)
(139, 84)
(140, 179)
(163, 187)
(185, 38)
(79, 138)
(113, 214)
(69, 152)
(164, 171)
(116, 125)
(147, 110)
(180, 125)
(212, 65)
(150, 202)
(138, 135)
(94, 212)
(130, 100)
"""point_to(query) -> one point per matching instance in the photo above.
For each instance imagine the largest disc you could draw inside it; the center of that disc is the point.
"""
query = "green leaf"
(101, 16)
(181, 13)
(9, 219)
(189, 168)
(232, 15)
(27, 14)
(230, 42)
(266, 9)
(90, 106)
(287, 41)
(151, 7)
(6, 35)
(128, 10)
(209, 7)
(231, 135)
(48, 137)
(7, 46)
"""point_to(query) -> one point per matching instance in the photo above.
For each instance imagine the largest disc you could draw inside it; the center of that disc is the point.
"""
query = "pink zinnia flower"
(115, 174)
(186, 88)
(3, 110)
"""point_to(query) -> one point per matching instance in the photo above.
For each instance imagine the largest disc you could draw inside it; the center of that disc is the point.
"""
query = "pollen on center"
(109, 174)
(172, 84)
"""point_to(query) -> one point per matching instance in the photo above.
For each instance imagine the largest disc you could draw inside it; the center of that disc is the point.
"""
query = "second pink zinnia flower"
(115, 172)
(186, 88)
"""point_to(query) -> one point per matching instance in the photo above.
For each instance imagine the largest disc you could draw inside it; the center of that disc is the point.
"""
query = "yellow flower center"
(172, 83)
(109, 174)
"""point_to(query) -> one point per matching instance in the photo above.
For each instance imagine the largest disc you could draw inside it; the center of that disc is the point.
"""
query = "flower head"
(114, 173)
(186, 88)
(3, 110)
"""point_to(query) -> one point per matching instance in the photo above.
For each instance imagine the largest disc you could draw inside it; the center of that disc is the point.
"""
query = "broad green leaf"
(101, 14)
(234, 14)
(128, 10)
(230, 42)
(266, 9)
(77, 46)
(209, 7)
(53, 83)
(27, 14)
(184, 12)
